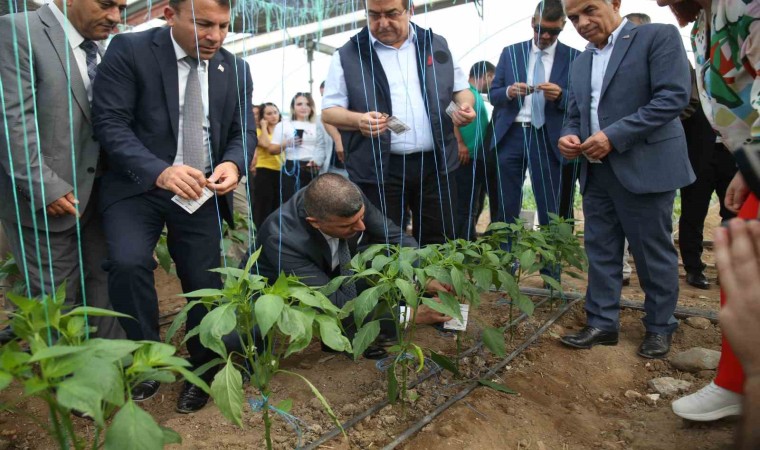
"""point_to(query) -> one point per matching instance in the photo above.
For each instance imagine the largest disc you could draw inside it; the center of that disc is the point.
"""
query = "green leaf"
(180, 320)
(227, 390)
(91, 311)
(334, 284)
(319, 396)
(408, 291)
(163, 255)
(133, 429)
(493, 339)
(74, 393)
(331, 335)
(366, 302)
(285, 405)
(448, 305)
(523, 303)
(380, 261)
(104, 377)
(365, 337)
(483, 277)
(439, 273)
(527, 259)
(496, 386)
(267, 309)
(192, 378)
(55, 351)
(552, 282)
(457, 280)
(444, 362)
(5, 380)
(203, 293)
(218, 323)
(231, 272)
(420, 356)
(170, 436)
(291, 324)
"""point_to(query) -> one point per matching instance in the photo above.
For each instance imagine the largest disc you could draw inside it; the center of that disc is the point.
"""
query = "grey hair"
(639, 18)
(333, 195)
(609, 2)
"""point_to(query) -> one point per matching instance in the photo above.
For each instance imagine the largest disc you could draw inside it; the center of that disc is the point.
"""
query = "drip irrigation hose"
(680, 312)
(335, 432)
(473, 385)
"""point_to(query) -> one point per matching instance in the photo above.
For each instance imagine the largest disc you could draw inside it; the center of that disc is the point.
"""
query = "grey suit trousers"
(62, 249)
(611, 214)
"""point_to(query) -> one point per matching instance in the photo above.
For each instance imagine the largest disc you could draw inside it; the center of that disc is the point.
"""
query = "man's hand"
(597, 146)
(185, 181)
(737, 193)
(551, 91)
(254, 161)
(64, 205)
(435, 286)
(339, 152)
(428, 316)
(373, 123)
(737, 256)
(463, 115)
(518, 90)
(570, 146)
(224, 179)
(464, 153)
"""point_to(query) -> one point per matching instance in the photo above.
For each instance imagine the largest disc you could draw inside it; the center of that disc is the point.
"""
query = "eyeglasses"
(552, 31)
(391, 15)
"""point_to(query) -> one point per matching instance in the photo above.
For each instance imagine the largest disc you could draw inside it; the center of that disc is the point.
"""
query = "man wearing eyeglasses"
(528, 95)
(395, 72)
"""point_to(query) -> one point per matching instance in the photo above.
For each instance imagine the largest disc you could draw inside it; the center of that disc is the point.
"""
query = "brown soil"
(566, 398)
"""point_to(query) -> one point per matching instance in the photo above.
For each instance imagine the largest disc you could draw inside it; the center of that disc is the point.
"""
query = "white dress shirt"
(183, 71)
(407, 104)
(599, 63)
(548, 58)
(75, 40)
(285, 131)
(333, 243)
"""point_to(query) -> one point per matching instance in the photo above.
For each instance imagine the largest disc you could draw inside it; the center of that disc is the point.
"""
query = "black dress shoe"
(626, 281)
(655, 345)
(145, 390)
(6, 335)
(191, 399)
(698, 280)
(589, 337)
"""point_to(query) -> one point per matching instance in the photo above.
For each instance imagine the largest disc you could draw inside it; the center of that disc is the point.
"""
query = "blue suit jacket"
(645, 88)
(513, 68)
(136, 112)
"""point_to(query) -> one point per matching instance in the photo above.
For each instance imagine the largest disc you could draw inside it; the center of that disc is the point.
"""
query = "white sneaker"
(712, 402)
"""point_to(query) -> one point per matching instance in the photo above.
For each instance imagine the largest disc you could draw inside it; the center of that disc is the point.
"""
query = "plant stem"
(58, 432)
(267, 421)
(458, 338)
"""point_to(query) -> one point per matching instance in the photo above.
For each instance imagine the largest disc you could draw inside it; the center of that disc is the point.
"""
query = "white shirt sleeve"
(460, 77)
(283, 132)
(336, 92)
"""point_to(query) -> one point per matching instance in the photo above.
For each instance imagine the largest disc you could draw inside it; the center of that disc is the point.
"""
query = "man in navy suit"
(626, 93)
(171, 111)
(529, 99)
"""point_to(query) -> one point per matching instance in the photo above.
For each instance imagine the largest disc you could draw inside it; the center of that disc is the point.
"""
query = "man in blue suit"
(171, 111)
(529, 99)
(626, 93)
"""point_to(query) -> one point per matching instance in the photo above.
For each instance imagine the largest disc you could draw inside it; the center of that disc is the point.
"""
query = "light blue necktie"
(537, 98)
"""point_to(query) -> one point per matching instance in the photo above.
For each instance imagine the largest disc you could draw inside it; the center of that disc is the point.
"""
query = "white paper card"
(397, 126)
(451, 108)
(192, 205)
(455, 324)
(592, 160)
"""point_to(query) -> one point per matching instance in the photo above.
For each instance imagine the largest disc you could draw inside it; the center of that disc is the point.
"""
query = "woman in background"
(297, 139)
(266, 184)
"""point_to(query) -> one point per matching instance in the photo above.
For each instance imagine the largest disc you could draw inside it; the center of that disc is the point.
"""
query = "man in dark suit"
(49, 163)
(315, 234)
(626, 93)
(171, 109)
(529, 99)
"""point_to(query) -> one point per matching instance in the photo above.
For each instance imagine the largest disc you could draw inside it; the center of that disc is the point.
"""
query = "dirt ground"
(566, 398)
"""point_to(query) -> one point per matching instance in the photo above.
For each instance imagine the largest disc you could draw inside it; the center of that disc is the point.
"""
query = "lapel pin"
(626, 36)
(221, 69)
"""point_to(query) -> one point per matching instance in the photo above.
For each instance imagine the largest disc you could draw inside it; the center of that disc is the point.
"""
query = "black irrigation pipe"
(335, 432)
(473, 385)
(681, 311)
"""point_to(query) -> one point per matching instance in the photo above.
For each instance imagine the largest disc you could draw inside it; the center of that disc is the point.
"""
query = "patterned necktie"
(193, 153)
(537, 98)
(91, 51)
(344, 261)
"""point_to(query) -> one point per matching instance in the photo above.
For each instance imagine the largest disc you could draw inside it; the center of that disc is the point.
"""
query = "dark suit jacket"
(290, 244)
(136, 112)
(513, 68)
(45, 140)
(645, 88)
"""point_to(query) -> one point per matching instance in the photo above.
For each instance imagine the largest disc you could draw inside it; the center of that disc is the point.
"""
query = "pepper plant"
(271, 322)
(53, 360)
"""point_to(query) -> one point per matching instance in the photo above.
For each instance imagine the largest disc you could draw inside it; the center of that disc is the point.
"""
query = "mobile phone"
(299, 133)
(748, 161)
